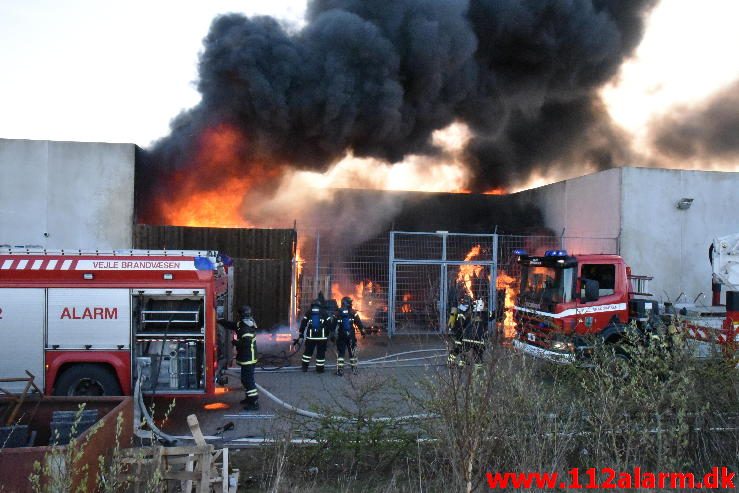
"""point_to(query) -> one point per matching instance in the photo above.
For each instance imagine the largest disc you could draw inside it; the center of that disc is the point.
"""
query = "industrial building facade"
(81, 195)
(664, 220)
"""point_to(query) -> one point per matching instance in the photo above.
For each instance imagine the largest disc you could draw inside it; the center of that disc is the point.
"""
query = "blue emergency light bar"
(519, 251)
(203, 263)
(555, 253)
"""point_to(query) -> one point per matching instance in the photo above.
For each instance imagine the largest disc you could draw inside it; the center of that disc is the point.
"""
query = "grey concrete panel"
(66, 194)
(670, 244)
(584, 206)
(23, 187)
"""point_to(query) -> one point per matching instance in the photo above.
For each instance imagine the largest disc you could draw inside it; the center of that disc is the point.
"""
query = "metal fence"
(325, 264)
(429, 272)
(405, 282)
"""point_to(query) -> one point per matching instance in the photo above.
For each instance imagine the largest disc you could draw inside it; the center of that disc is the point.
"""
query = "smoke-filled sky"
(540, 88)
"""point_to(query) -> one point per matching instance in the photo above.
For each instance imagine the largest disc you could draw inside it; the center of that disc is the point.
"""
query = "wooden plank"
(189, 467)
(185, 450)
(184, 476)
(192, 422)
(205, 473)
(224, 472)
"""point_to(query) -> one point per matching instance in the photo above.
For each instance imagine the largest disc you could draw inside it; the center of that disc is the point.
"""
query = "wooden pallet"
(198, 466)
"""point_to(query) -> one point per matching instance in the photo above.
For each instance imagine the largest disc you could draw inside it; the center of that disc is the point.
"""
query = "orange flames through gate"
(468, 272)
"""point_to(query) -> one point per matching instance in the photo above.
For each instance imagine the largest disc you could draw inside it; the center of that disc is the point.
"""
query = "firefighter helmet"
(346, 301)
(245, 311)
(464, 304)
(478, 305)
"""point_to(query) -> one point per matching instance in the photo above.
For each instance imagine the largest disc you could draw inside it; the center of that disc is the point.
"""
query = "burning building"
(379, 116)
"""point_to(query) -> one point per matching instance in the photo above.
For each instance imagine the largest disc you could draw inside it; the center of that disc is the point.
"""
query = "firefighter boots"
(252, 406)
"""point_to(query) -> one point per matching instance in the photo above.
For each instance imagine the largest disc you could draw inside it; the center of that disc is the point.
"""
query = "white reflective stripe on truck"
(614, 307)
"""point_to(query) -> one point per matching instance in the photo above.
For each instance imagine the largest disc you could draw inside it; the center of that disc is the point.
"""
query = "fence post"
(493, 286)
(316, 282)
(443, 284)
(391, 287)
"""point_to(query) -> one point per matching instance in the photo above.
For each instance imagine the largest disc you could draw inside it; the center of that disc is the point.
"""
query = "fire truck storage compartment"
(88, 318)
(169, 339)
(22, 329)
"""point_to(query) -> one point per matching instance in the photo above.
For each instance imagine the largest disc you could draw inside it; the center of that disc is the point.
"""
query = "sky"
(90, 70)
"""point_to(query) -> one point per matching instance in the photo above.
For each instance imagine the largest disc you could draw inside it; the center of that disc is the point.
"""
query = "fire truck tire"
(87, 379)
(618, 361)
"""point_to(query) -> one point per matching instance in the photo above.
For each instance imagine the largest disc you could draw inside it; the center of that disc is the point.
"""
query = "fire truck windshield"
(542, 284)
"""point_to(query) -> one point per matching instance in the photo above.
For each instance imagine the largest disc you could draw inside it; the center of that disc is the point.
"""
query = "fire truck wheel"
(90, 380)
(618, 362)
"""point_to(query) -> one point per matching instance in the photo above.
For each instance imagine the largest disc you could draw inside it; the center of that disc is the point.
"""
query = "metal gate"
(431, 271)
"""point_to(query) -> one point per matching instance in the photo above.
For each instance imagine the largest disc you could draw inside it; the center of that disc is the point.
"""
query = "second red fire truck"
(567, 303)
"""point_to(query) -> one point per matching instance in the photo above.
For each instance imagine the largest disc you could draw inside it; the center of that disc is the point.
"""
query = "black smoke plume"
(377, 77)
(707, 131)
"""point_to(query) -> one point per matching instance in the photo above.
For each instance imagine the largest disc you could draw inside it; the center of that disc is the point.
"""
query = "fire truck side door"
(597, 314)
(94, 318)
(22, 333)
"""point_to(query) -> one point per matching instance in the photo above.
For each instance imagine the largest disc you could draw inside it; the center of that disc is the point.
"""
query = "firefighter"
(473, 337)
(246, 356)
(451, 322)
(460, 323)
(347, 322)
(314, 328)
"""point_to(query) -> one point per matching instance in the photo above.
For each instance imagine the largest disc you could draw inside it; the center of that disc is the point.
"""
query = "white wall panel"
(22, 333)
(66, 194)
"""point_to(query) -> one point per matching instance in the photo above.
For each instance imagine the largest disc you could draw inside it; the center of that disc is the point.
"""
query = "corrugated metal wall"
(262, 259)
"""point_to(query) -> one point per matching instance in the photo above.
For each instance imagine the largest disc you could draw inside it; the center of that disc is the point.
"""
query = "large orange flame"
(210, 190)
(468, 272)
(367, 298)
(507, 282)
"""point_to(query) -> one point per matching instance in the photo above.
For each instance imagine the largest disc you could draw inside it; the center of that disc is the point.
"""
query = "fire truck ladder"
(38, 250)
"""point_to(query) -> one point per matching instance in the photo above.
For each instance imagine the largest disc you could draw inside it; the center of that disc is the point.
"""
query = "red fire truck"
(86, 322)
(567, 302)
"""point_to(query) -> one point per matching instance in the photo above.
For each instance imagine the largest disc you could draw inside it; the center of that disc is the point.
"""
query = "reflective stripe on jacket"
(246, 345)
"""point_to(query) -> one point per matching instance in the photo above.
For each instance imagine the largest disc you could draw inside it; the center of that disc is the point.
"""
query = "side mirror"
(592, 290)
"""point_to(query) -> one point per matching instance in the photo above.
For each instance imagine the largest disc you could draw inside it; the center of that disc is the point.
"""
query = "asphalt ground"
(392, 367)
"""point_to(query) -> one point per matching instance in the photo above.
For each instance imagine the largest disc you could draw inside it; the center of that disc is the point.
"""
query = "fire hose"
(370, 362)
(141, 412)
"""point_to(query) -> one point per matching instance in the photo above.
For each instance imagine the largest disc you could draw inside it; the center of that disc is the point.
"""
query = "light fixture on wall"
(684, 203)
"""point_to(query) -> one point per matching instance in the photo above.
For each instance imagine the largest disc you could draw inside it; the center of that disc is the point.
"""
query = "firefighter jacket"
(461, 324)
(476, 330)
(315, 324)
(347, 321)
(452, 319)
(246, 343)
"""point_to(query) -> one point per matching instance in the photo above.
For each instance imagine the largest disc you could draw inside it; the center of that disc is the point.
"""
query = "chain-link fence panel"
(335, 270)
(395, 279)
(416, 297)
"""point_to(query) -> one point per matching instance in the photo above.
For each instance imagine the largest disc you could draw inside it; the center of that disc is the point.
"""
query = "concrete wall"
(583, 208)
(660, 240)
(639, 207)
(66, 194)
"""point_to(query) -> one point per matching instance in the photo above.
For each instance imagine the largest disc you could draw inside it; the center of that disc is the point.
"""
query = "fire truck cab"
(87, 322)
(566, 302)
